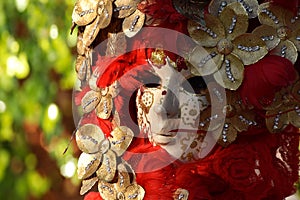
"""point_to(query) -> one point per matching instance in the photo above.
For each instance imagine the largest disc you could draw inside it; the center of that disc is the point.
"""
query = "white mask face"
(169, 113)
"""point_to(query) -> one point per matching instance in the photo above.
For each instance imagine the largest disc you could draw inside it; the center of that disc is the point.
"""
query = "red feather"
(264, 78)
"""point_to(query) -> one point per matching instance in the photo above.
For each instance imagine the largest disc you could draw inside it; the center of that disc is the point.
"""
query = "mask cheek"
(190, 108)
(147, 100)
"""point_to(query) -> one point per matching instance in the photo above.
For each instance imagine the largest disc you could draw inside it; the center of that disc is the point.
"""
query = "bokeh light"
(53, 111)
(2, 106)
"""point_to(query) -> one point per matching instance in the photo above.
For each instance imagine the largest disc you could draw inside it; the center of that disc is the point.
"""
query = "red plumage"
(264, 78)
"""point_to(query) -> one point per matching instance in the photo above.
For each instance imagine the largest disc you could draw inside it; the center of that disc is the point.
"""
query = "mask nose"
(171, 104)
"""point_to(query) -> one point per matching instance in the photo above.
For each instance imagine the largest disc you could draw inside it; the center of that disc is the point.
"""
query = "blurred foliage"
(37, 76)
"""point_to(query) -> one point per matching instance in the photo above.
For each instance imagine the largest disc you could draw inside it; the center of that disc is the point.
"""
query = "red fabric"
(93, 196)
(264, 78)
(111, 69)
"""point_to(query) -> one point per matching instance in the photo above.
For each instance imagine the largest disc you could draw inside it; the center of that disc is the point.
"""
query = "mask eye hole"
(194, 85)
(152, 82)
(152, 85)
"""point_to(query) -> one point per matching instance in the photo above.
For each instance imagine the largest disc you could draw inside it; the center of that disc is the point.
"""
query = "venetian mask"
(169, 111)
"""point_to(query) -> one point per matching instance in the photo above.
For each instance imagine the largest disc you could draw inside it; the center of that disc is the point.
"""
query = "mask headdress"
(148, 126)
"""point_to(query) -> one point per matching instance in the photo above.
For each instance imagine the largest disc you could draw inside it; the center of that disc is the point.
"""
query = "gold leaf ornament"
(216, 6)
(102, 20)
(249, 48)
(228, 44)
(89, 138)
(204, 61)
(104, 108)
(124, 8)
(230, 77)
(84, 12)
(90, 100)
(208, 35)
(279, 30)
(124, 188)
(108, 166)
(120, 139)
(182, 194)
(133, 24)
(88, 164)
(234, 19)
(87, 184)
(284, 110)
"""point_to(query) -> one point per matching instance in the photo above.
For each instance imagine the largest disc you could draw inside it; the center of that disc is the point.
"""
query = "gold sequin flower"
(227, 117)
(100, 155)
(280, 30)
(227, 46)
(285, 109)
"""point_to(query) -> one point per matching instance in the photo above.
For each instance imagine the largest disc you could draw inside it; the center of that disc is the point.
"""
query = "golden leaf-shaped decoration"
(124, 8)
(93, 80)
(249, 48)
(91, 31)
(84, 12)
(105, 10)
(276, 120)
(208, 35)
(295, 38)
(235, 20)
(294, 115)
(116, 120)
(87, 185)
(242, 121)
(90, 100)
(134, 191)
(81, 67)
(89, 137)
(104, 108)
(108, 166)
(123, 178)
(292, 21)
(217, 6)
(114, 89)
(181, 194)
(271, 15)
(104, 146)
(216, 96)
(231, 74)
(296, 90)
(133, 24)
(116, 44)
(227, 136)
(213, 117)
(268, 34)
(106, 190)
(81, 48)
(287, 50)
(121, 139)
(208, 121)
(204, 61)
(88, 164)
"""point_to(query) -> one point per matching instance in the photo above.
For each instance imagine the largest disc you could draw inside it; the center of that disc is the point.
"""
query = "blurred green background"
(36, 81)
